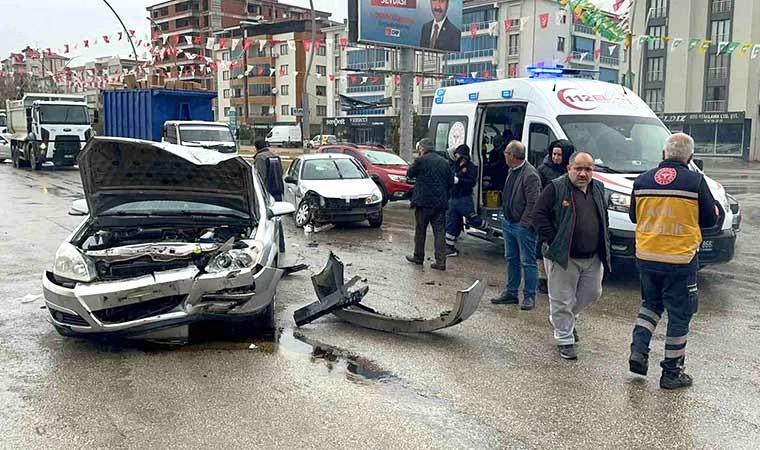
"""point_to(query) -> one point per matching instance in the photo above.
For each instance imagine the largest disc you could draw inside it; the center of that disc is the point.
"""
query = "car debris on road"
(336, 298)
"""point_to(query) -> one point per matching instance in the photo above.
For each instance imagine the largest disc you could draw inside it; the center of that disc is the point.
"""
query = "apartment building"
(265, 87)
(204, 18)
(39, 68)
(713, 97)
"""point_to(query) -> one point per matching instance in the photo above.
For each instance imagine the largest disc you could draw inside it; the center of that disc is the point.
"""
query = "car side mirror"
(290, 179)
(79, 208)
(699, 163)
(375, 177)
(280, 209)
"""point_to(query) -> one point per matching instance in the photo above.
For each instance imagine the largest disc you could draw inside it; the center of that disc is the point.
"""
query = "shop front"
(715, 134)
(360, 129)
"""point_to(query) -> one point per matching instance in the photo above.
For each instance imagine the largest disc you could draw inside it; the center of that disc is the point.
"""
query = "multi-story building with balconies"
(711, 95)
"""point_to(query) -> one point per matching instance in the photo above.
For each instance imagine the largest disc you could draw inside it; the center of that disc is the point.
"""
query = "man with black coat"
(460, 203)
(430, 198)
(572, 220)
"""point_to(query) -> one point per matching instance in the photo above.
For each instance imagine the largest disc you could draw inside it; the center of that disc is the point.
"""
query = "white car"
(172, 235)
(330, 188)
(321, 139)
(5, 147)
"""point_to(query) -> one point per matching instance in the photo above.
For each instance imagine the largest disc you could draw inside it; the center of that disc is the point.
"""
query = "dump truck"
(47, 127)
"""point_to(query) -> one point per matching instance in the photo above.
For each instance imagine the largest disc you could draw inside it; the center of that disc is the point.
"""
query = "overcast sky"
(52, 23)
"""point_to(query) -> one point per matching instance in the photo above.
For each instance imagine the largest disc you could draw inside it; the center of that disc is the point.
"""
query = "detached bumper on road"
(165, 299)
(715, 248)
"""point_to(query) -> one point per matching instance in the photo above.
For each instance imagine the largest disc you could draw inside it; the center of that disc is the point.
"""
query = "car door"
(291, 189)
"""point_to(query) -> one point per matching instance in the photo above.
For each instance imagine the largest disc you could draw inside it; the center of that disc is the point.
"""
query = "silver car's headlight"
(397, 178)
(376, 197)
(233, 260)
(71, 264)
(618, 202)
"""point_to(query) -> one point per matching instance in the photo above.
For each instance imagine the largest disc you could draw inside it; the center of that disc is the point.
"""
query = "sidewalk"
(284, 153)
(713, 165)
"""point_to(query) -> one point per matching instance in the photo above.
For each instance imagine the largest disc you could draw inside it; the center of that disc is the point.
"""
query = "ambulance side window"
(538, 141)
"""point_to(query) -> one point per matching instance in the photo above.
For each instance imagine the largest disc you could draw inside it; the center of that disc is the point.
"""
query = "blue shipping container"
(141, 113)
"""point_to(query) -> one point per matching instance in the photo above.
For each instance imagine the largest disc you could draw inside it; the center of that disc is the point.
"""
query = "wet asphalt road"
(493, 382)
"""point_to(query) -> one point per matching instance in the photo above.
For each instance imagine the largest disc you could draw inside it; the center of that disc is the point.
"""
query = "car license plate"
(707, 246)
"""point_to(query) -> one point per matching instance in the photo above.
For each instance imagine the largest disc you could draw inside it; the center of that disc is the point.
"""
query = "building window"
(608, 75)
(479, 16)
(322, 70)
(285, 110)
(657, 33)
(254, 9)
(321, 110)
(655, 69)
(225, 56)
(721, 6)
(322, 51)
(259, 90)
(560, 44)
(284, 89)
(583, 45)
(717, 67)
(226, 75)
(321, 91)
(265, 110)
(514, 45)
(364, 59)
(658, 8)
(284, 69)
(283, 49)
(226, 93)
(654, 98)
(226, 111)
(720, 31)
(337, 63)
(512, 70)
(716, 99)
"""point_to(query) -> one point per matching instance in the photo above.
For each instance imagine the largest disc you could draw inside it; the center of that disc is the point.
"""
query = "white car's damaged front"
(172, 235)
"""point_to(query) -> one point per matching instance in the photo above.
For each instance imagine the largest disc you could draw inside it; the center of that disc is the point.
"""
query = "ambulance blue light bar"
(468, 80)
(557, 71)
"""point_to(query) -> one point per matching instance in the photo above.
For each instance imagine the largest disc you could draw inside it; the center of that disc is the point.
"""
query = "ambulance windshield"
(622, 144)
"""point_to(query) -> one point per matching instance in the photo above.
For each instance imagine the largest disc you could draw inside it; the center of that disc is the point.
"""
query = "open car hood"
(116, 171)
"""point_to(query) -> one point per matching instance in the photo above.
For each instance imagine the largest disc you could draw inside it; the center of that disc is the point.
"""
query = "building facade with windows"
(711, 96)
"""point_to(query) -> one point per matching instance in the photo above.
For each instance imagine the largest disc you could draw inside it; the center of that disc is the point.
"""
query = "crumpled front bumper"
(162, 300)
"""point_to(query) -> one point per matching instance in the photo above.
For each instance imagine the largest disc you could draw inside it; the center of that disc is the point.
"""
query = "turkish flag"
(544, 20)
(332, 77)
(222, 42)
(260, 71)
(86, 43)
(354, 79)
(197, 40)
(306, 45)
(486, 74)
(474, 30)
(246, 44)
(418, 80)
(507, 25)
(106, 39)
(343, 43)
(512, 71)
(597, 53)
(317, 44)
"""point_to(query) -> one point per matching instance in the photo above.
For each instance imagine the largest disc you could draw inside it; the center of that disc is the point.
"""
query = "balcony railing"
(721, 6)
(658, 13)
(582, 28)
(717, 73)
(587, 58)
(481, 26)
(514, 50)
(485, 53)
(425, 110)
(610, 60)
(715, 105)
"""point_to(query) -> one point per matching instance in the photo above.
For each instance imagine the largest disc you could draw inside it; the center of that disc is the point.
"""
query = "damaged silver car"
(172, 235)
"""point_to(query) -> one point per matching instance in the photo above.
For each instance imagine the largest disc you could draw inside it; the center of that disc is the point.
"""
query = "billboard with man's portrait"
(423, 24)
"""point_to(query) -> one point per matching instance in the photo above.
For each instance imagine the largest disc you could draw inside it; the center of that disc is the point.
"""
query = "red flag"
(65, 48)
(306, 45)
(397, 79)
(222, 42)
(30, 54)
(106, 39)
(597, 53)
(49, 52)
(121, 34)
(507, 25)
(375, 80)
(568, 58)
(260, 71)
(354, 79)
(156, 35)
(513, 71)
(197, 40)
(474, 30)
(343, 43)
(418, 80)
(486, 74)
(544, 20)
(617, 4)
(317, 44)
(332, 77)
(131, 33)
(246, 44)
(18, 57)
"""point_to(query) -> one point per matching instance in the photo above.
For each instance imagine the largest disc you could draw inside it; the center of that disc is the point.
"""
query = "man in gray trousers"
(571, 219)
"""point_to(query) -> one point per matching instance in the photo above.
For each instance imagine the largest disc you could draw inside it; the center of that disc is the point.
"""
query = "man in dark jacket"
(269, 167)
(554, 166)
(670, 205)
(430, 198)
(496, 167)
(460, 202)
(571, 218)
(518, 198)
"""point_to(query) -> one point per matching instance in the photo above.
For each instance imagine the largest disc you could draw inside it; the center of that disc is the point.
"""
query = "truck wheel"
(22, 162)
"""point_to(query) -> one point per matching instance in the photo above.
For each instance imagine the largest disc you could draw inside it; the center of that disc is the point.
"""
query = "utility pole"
(123, 26)
(406, 98)
(305, 123)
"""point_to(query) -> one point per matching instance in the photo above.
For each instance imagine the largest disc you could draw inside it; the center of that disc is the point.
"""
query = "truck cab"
(211, 135)
(607, 120)
(47, 127)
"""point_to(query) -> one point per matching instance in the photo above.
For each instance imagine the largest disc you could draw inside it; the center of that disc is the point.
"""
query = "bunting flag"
(260, 70)
(332, 77)
(246, 44)
(755, 51)
(306, 45)
(189, 40)
(693, 43)
(262, 44)
(583, 56)
(131, 33)
(731, 48)
(598, 53)
(544, 18)
(272, 70)
(156, 35)
(744, 49)
(235, 44)
(397, 80)
(474, 30)
(210, 43)
(121, 35)
(317, 44)
(343, 43)
(487, 74)
(493, 29)
(611, 49)
(354, 79)
(197, 40)
(507, 25)
(106, 39)
(417, 81)
(705, 46)
(222, 43)
(66, 49)
(86, 43)
(513, 70)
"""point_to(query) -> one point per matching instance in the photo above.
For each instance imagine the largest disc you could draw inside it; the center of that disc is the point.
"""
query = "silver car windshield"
(332, 169)
(619, 143)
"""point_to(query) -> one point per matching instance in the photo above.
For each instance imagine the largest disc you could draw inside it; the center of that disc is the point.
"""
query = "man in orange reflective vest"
(670, 205)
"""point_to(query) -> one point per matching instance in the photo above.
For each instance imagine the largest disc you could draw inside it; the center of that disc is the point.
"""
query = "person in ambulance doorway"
(461, 208)
(571, 218)
(670, 205)
(554, 166)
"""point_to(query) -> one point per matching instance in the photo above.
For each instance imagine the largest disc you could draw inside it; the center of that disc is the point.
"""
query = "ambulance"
(605, 119)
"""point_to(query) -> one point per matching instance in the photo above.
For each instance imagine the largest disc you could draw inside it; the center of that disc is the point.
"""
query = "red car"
(386, 168)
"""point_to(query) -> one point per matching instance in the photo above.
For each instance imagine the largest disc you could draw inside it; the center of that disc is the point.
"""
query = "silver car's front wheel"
(303, 215)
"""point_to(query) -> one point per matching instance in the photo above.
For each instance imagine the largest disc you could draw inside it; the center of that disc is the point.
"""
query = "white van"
(285, 136)
(607, 120)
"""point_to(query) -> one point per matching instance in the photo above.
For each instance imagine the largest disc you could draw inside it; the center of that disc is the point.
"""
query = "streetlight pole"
(124, 27)
(306, 125)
